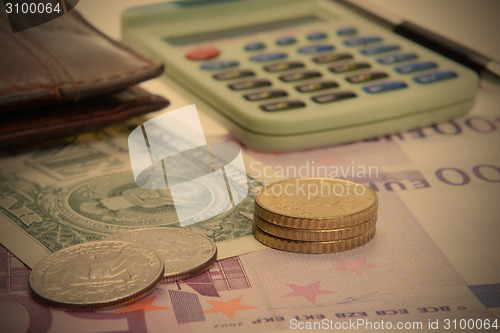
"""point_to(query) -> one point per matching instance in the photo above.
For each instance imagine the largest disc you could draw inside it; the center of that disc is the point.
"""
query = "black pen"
(459, 53)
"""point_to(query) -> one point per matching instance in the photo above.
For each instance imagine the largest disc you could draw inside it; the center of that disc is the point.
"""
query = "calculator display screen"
(241, 31)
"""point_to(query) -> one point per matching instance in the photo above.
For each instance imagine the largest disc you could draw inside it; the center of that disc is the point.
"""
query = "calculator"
(286, 75)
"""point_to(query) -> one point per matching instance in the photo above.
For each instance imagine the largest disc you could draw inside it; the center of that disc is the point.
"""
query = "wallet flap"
(66, 59)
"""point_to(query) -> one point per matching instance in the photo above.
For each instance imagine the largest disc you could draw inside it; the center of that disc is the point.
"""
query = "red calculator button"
(202, 54)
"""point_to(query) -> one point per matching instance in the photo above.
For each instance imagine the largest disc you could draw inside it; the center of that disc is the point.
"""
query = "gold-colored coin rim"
(169, 276)
(40, 268)
(320, 224)
(314, 235)
(296, 246)
(341, 221)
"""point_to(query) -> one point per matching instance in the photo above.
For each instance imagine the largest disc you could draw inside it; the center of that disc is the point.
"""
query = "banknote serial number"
(32, 8)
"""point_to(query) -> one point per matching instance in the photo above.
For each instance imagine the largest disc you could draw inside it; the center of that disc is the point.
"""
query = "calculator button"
(261, 95)
(299, 76)
(333, 97)
(254, 46)
(326, 58)
(316, 35)
(202, 53)
(433, 77)
(419, 66)
(287, 40)
(284, 105)
(352, 66)
(233, 74)
(315, 48)
(249, 84)
(386, 86)
(219, 64)
(394, 58)
(283, 66)
(379, 49)
(365, 77)
(268, 56)
(345, 31)
(355, 41)
(315, 86)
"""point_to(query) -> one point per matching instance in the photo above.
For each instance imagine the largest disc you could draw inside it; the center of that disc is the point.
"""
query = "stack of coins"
(315, 215)
(120, 269)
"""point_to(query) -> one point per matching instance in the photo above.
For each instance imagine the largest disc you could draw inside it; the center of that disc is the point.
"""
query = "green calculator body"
(286, 75)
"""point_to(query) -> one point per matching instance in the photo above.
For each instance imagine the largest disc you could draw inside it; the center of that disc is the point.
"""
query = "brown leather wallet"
(65, 75)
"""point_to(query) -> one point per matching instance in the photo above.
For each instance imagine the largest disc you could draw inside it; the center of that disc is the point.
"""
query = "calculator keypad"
(433, 77)
(348, 67)
(233, 74)
(268, 56)
(254, 46)
(283, 105)
(333, 97)
(315, 86)
(365, 77)
(268, 94)
(378, 49)
(324, 67)
(292, 77)
(405, 69)
(286, 40)
(315, 48)
(386, 86)
(243, 85)
(327, 58)
(283, 66)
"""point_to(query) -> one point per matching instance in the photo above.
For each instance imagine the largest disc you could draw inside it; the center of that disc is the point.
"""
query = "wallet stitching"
(57, 88)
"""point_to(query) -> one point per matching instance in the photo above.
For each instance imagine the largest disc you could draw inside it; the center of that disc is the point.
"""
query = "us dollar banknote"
(83, 189)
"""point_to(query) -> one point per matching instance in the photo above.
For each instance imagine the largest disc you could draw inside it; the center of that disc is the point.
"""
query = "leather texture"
(65, 76)
(40, 123)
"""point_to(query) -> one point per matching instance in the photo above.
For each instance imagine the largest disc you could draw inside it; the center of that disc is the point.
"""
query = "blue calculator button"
(350, 66)
(434, 77)
(315, 48)
(379, 49)
(287, 40)
(283, 66)
(316, 35)
(284, 105)
(327, 58)
(355, 41)
(268, 56)
(410, 68)
(267, 94)
(219, 64)
(233, 74)
(254, 46)
(365, 77)
(315, 86)
(299, 76)
(249, 84)
(345, 31)
(333, 97)
(395, 58)
(386, 86)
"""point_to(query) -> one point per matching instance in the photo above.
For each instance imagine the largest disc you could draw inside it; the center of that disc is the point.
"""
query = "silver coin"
(96, 275)
(185, 253)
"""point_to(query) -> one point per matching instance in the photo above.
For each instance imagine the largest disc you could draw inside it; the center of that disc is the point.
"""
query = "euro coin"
(314, 235)
(96, 275)
(185, 253)
(291, 245)
(316, 203)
